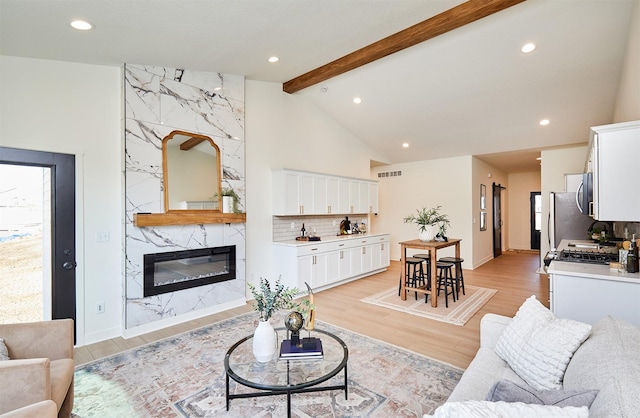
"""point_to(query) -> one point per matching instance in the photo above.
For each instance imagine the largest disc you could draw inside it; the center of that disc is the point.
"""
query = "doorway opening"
(25, 222)
(497, 219)
(536, 219)
(58, 248)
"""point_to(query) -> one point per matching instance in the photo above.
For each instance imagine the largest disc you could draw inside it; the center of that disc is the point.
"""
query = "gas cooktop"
(582, 256)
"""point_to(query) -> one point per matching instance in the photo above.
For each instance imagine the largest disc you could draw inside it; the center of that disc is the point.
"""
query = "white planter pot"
(227, 204)
(265, 343)
(428, 234)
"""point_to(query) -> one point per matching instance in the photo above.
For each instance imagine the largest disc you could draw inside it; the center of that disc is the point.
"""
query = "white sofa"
(607, 361)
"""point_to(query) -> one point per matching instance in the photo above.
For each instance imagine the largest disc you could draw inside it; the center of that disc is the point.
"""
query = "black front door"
(536, 219)
(63, 231)
(497, 220)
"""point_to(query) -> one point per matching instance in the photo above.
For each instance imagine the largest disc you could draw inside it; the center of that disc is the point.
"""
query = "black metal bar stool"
(459, 277)
(427, 259)
(445, 281)
(414, 274)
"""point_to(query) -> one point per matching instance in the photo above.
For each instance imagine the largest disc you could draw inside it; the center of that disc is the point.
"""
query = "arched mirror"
(191, 164)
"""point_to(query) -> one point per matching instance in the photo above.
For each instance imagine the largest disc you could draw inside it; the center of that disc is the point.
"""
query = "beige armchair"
(41, 366)
(44, 409)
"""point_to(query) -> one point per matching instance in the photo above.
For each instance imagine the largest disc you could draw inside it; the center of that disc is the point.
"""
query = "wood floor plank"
(513, 275)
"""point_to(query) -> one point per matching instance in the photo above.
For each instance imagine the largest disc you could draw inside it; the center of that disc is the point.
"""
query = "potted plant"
(230, 200)
(268, 300)
(427, 220)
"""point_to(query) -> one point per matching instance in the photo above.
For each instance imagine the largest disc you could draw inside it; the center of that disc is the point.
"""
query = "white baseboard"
(481, 262)
(103, 335)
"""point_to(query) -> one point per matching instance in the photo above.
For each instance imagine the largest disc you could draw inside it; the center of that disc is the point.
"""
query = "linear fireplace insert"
(178, 270)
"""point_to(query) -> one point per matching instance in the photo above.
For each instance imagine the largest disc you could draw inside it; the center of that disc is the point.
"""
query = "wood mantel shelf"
(187, 218)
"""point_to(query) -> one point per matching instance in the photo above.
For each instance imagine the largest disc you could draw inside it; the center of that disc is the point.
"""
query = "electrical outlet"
(103, 236)
(100, 308)
(293, 225)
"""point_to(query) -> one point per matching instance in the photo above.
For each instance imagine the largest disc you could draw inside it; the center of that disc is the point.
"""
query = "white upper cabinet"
(344, 198)
(320, 195)
(373, 198)
(362, 195)
(333, 195)
(354, 197)
(301, 193)
(292, 193)
(615, 153)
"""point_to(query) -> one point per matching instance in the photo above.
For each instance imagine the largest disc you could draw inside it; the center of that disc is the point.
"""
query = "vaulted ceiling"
(469, 91)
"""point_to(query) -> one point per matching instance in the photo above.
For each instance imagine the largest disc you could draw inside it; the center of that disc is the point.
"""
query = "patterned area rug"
(458, 312)
(184, 377)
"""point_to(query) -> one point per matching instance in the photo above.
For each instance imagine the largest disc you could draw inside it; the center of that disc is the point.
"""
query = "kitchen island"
(587, 292)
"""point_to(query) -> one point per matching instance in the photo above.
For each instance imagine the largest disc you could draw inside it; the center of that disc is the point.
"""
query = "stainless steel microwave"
(584, 195)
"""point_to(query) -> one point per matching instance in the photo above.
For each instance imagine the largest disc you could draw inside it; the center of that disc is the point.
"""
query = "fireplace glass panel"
(178, 270)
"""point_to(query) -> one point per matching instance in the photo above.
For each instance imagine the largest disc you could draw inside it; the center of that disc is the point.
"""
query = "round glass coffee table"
(285, 377)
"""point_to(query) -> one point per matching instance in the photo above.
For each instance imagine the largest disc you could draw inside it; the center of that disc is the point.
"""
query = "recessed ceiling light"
(405, 145)
(545, 122)
(357, 100)
(274, 59)
(526, 48)
(81, 25)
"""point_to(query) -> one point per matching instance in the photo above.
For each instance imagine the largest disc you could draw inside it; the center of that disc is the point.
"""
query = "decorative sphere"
(294, 321)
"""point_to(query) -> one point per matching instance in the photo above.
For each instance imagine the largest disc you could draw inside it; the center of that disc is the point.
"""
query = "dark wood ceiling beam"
(190, 143)
(454, 18)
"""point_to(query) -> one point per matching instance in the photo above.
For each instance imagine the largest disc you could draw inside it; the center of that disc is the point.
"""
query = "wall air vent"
(390, 174)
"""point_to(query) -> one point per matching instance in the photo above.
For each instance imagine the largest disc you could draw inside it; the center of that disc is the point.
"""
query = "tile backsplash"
(632, 228)
(322, 226)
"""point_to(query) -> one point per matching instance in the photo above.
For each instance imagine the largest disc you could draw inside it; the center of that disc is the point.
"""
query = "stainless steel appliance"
(584, 195)
(585, 256)
(565, 220)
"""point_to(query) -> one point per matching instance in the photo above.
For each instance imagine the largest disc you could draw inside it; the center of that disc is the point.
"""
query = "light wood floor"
(513, 275)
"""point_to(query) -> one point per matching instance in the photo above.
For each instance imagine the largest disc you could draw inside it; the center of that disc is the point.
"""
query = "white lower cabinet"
(589, 298)
(344, 264)
(356, 260)
(312, 269)
(322, 264)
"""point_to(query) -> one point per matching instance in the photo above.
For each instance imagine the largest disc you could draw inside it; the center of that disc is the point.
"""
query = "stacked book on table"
(311, 349)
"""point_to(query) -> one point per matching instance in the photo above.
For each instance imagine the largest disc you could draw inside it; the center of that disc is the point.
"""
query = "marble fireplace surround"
(158, 101)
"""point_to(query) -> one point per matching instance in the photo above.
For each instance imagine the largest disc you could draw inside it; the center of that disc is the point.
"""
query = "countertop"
(331, 238)
(593, 271)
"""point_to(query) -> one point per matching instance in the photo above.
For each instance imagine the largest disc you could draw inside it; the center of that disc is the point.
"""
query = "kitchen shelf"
(194, 217)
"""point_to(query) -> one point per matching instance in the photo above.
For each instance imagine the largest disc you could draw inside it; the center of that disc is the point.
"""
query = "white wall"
(628, 99)
(520, 187)
(445, 182)
(486, 174)
(285, 131)
(77, 109)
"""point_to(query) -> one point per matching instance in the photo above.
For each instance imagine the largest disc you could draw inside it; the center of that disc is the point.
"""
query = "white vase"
(428, 233)
(227, 204)
(265, 342)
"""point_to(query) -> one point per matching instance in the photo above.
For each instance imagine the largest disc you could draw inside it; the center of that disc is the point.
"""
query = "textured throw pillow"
(538, 346)
(508, 391)
(487, 409)
(4, 353)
